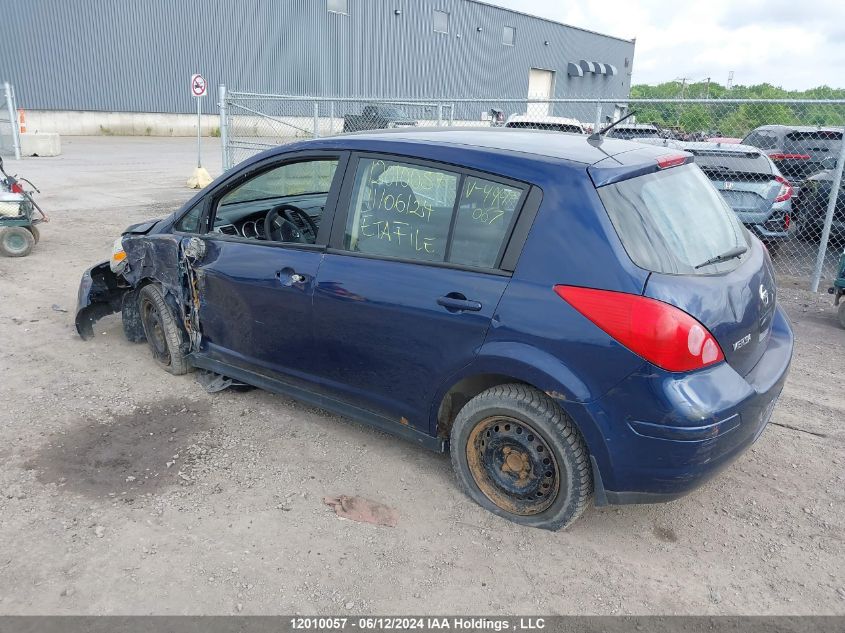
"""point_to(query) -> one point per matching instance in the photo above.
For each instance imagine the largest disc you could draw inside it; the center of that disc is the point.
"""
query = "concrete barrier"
(41, 144)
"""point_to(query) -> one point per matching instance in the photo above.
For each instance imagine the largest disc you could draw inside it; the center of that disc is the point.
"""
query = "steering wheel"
(280, 225)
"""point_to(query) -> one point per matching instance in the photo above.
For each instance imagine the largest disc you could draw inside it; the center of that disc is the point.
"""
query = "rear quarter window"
(672, 221)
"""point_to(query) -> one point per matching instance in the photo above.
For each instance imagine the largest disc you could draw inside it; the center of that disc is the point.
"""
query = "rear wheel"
(16, 241)
(517, 454)
(36, 234)
(164, 336)
(841, 313)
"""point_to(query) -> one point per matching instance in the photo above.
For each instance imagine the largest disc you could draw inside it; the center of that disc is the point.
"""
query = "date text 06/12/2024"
(418, 623)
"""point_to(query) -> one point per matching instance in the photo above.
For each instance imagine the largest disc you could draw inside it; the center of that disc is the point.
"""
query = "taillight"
(664, 162)
(786, 221)
(660, 333)
(779, 156)
(785, 192)
(16, 188)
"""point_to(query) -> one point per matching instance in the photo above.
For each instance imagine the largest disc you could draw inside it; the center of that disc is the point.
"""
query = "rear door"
(405, 296)
(671, 223)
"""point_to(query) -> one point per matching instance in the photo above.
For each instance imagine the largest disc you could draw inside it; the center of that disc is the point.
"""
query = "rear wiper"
(736, 251)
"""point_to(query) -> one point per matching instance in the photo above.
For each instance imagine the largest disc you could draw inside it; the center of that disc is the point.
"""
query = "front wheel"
(164, 336)
(16, 241)
(517, 454)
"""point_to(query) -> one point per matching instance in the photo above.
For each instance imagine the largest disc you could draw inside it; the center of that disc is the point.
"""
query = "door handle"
(456, 302)
(287, 277)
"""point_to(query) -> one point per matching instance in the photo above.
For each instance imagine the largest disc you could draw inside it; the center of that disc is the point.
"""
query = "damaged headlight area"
(117, 263)
(101, 292)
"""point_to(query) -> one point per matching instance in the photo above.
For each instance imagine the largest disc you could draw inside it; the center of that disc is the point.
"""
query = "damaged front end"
(101, 292)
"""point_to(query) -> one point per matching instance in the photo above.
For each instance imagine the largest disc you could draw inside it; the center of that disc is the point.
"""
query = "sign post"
(199, 88)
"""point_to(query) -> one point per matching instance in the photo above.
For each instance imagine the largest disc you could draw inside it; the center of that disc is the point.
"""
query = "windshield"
(671, 221)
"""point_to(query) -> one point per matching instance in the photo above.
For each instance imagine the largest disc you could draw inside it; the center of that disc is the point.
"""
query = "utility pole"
(730, 79)
(707, 93)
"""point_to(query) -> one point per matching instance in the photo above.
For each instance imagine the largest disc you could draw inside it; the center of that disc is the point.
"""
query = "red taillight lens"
(785, 192)
(664, 162)
(779, 156)
(786, 221)
(660, 333)
(16, 188)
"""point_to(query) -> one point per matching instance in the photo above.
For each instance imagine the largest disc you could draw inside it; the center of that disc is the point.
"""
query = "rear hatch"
(745, 179)
(671, 222)
(803, 153)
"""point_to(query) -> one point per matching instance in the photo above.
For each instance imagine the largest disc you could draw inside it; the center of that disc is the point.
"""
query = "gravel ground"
(124, 490)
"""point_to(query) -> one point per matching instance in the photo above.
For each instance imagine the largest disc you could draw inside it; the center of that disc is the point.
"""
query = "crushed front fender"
(100, 294)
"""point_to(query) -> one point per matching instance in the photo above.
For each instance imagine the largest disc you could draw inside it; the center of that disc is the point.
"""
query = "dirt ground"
(124, 490)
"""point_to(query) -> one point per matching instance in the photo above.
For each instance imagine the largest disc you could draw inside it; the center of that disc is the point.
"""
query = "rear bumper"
(658, 435)
(100, 294)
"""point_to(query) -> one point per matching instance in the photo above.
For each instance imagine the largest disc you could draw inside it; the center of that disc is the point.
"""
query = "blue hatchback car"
(573, 319)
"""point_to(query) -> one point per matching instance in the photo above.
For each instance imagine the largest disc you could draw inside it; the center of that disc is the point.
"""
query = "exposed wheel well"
(462, 392)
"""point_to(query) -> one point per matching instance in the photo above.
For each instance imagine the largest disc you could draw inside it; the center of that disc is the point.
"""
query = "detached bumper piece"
(100, 294)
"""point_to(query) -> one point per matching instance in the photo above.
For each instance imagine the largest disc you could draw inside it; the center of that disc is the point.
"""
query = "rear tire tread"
(533, 403)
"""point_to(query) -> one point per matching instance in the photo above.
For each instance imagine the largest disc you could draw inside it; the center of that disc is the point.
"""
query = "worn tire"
(544, 417)
(16, 241)
(165, 338)
(36, 234)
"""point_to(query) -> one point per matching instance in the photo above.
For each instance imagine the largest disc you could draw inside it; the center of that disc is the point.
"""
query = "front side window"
(190, 222)
(401, 210)
(289, 199)
(441, 21)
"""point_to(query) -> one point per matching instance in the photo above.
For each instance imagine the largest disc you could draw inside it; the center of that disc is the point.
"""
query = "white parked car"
(544, 122)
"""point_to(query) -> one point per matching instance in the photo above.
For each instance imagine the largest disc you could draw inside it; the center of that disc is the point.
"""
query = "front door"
(406, 295)
(255, 277)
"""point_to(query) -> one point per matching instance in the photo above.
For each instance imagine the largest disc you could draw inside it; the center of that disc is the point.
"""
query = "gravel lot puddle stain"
(665, 534)
(133, 454)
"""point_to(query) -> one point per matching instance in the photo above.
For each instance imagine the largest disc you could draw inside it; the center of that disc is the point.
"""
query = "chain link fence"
(776, 163)
(10, 144)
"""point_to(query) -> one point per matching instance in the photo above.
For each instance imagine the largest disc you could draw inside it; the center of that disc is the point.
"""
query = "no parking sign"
(198, 85)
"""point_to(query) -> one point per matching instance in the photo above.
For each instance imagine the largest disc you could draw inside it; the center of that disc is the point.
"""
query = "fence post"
(224, 126)
(316, 119)
(13, 119)
(331, 118)
(439, 113)
(598, 117)
(828, 218)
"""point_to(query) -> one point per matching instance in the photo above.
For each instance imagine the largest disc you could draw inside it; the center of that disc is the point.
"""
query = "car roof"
(540, 143)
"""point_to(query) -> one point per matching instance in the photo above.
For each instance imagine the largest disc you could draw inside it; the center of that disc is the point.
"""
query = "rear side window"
(423, 213)
(485, 213)
(724, 162)
(672, 221)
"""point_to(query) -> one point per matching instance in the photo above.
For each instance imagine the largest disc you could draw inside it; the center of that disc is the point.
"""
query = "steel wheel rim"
(513, 465)
(15, 242)
(155, 331)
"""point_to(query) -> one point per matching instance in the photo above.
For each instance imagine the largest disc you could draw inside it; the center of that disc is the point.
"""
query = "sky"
(795, 44)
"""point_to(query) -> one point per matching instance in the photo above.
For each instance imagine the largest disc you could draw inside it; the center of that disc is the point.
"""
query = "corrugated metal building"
(138, 55)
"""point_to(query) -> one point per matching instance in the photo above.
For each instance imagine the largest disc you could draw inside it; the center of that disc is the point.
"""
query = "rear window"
(672, 221)
(724, 161)
(808, 142)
